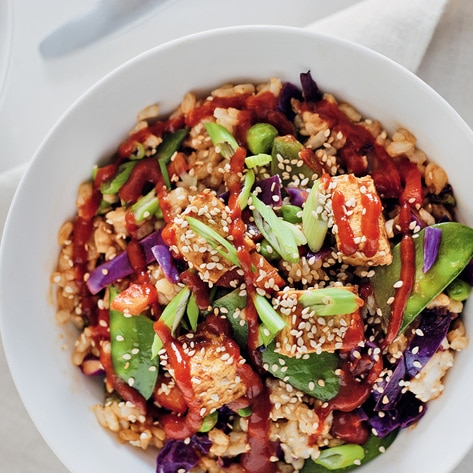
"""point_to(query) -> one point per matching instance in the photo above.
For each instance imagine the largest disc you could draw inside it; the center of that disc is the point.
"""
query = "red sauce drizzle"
(406, 278)
(361, 154)
(369, 222)
(198, 288)
(145, 172)
(356, 381)
(207, 108)
(349, 427)
(178, 427)
(257, 460)
(345, 233)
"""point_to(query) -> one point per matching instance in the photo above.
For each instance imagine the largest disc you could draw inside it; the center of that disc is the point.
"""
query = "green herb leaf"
(139, 152)
(165, 151)
(314, 375)
(192, 312)
(131, 339)
(170, 144)
(215, 240)
(233, 304)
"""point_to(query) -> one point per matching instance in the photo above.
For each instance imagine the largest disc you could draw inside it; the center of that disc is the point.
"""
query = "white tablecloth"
(38, 91)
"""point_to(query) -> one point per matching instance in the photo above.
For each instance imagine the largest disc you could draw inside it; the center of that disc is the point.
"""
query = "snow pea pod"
(131, 339)
(454, 253)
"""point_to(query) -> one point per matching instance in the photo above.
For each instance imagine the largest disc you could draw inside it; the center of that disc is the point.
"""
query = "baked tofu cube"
(359, 224)
(213, 370)
(210, 210)
(307, 332)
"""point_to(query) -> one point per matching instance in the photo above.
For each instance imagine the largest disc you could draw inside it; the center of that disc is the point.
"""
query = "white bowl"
(57, 396)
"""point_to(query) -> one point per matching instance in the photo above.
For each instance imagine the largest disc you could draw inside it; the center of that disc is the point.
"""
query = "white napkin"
(399, 29)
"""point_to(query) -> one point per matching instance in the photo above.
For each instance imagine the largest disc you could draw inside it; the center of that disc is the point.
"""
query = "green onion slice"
(272, 321)
(260, 159)
(283, 236)
(330, 301)
(246, 190)
(146, 206)
(215, 240)
(171, 316)
(314, 222)
(222, 139)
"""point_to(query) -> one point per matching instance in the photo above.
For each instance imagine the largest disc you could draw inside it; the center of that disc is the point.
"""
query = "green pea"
(260, 137)
(341, 456)
(291, 213)
(459, 290)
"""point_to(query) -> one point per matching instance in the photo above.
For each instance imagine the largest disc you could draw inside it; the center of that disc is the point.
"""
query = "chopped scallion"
(222, 139)
(330, 301)
(171, 316)
(272, 322)
(246, 190)
(260, 159)
(192, 312)
(314, 223)
(146, 206)
(215, 240)
(116, 183)
(341, 456)
(283, 236)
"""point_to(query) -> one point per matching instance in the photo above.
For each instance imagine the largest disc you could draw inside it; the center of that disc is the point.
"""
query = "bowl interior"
(57, 396)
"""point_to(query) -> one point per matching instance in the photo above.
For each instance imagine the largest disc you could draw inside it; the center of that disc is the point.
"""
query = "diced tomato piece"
(168, 395)
(135, 298)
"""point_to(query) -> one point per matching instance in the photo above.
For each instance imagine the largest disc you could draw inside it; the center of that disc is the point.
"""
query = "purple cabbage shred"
(432, 237)
(407, 412)
(180, 455)
(394, 408)
(119, 267)
(165, 260)
(310, 89)
(432, 329)
(270, 190)
(289, 91)
(297, 196)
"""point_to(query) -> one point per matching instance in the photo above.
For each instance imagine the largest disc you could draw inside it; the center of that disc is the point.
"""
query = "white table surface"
(38, 91)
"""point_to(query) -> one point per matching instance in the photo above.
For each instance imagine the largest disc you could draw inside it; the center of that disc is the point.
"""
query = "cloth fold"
(399, 29)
